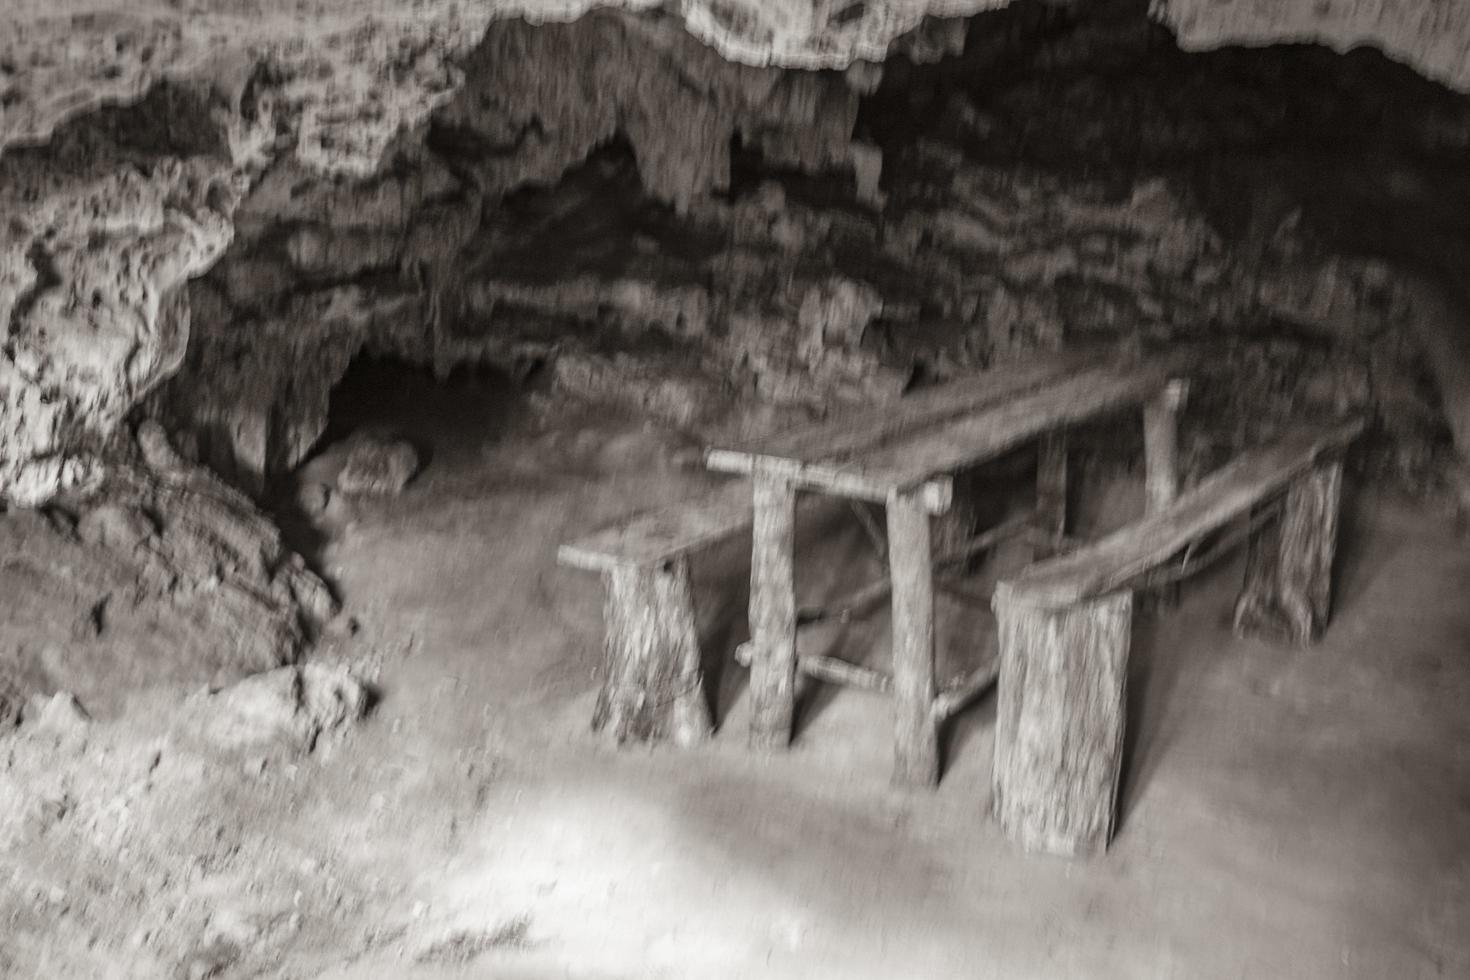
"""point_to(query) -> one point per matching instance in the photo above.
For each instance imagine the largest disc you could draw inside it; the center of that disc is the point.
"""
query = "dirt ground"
(1285, 813)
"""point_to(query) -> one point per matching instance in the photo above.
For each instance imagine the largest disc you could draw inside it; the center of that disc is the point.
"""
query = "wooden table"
(905, 457)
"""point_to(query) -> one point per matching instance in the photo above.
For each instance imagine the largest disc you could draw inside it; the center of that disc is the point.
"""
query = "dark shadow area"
(1157, 669)
(597, 220)
(1353, 573)
(721, 580)
(448, 420)
(1101, 86)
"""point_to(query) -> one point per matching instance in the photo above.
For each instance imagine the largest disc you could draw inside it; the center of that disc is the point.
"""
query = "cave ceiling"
(173, 171)
(352, 73)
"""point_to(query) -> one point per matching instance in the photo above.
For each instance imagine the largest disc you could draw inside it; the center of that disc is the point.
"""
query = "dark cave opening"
(448, 420)
(446, 417)
(1101, 92)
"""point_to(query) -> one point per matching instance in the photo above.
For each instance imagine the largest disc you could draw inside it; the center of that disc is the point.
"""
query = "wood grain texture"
(1162, 477)
(1051, 495)
(984, 435)
(647, 538)
(1161, 446)
(861, 431)
(910, 568)
(1114, 561)
(831, 670)
(772, 613)
(1288, 585)
(958, 693)
(1059, 722)
(653, 688)
(653, 537)
(917, 453)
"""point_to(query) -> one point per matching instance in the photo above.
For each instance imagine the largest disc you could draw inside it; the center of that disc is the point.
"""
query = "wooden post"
(1288, 582)
(653, 687)
(951, 531)
(1161, 479)
(1059, 722)
(910, 568)
(1161, 446)
(772, 612)
(1051, 495)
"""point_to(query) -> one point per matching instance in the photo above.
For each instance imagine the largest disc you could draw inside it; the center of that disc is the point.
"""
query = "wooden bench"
(652, 687)
(1065, 626)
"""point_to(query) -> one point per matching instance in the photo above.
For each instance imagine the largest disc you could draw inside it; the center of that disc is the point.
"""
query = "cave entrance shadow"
(448, 418)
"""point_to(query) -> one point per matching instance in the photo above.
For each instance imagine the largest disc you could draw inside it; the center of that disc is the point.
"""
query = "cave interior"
(293, 684)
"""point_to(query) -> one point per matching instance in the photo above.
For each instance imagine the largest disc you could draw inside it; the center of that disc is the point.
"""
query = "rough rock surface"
(346, 76)
(166, 575)
(983, 242)
(335, 80)
(97, 242)
(290, 706)
(125, 205)
(376, 465)
(1431, 35)
(539, 99)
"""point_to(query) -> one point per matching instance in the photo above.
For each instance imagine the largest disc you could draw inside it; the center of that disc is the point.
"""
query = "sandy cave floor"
(1285, 813)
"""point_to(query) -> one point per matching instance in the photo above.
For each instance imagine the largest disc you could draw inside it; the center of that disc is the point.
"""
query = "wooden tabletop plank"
(858, 431)
(930, 455)
(656, 536)
(1113, 561)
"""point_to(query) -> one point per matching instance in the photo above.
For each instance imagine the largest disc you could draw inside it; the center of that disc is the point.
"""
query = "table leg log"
(653, 687)
(773, 613)
(916, 737)
(1161, 447)
(1288, 582)
(957, 526)
(1051, 496)
(1162, 477)
(1059, 723)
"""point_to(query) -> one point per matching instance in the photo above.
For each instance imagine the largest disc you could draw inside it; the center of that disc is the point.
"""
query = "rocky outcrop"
(167, 575)
(413, 263)
(539, 99)
(421, 120)
(335, 81)
(341, 78)
(1431, 35)
(97, 244)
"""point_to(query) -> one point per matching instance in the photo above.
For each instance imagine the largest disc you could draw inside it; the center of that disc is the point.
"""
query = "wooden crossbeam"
(835, 671)
(958, 693)
(951, 700)
(864, 600)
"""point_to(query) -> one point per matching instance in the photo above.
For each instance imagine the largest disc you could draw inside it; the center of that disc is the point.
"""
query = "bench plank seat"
(1113, 561)
(654, 537)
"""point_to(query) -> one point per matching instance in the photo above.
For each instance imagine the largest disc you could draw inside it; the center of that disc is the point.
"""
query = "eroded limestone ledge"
(345, 76)
(352, 73)
(1431, 35)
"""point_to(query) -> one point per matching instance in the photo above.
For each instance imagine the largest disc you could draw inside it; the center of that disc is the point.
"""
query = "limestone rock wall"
(410, 261)
(329, 106)
(538, 99)
(1431, 35)
(97, 243)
